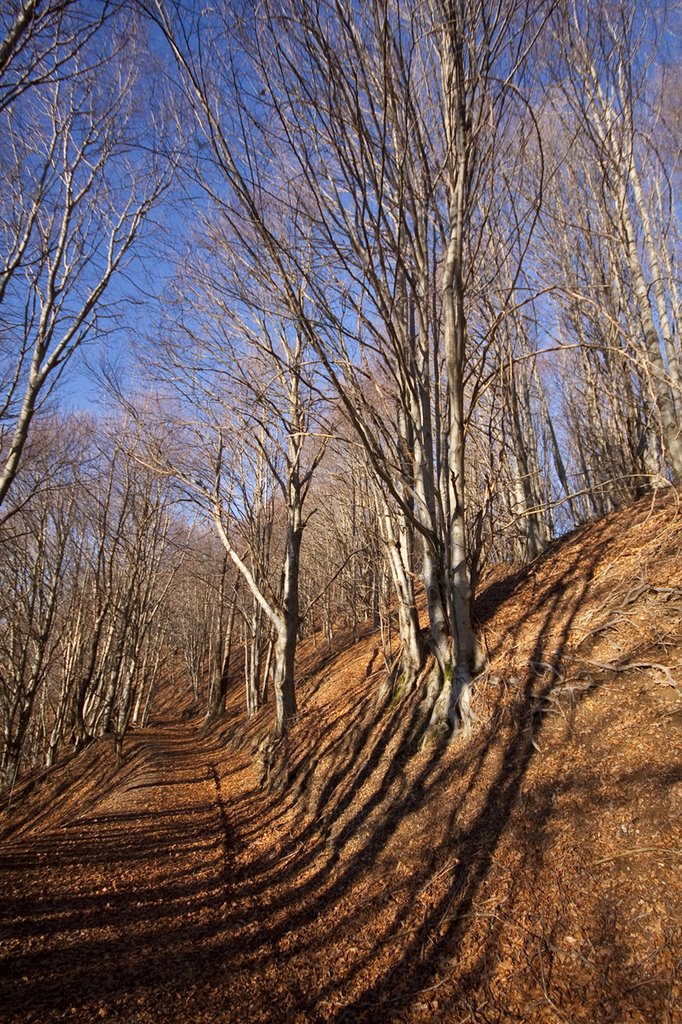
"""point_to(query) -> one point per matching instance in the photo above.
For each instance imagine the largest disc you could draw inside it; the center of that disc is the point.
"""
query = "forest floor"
(530, 873)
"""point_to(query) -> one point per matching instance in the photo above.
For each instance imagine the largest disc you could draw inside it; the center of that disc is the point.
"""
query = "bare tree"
(87, 570)
(75, 191)
(242, 382)
(33, 584)
(406, 158)
(619, 292)
(39, 38)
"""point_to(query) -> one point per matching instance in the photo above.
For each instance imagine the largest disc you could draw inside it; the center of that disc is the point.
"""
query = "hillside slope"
(529, 874)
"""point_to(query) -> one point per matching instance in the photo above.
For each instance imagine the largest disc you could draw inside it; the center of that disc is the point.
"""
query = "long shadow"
(415, 969)
(308, 895)
(488, 825)
(232, 913)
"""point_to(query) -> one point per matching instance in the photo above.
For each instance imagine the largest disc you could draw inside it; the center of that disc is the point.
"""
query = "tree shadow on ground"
(381, 895)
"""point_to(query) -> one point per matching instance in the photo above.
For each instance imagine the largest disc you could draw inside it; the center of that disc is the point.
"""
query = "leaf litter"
(530, 873)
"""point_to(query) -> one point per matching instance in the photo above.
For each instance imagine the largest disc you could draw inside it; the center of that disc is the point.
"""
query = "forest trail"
(529, 874)
(128, 910)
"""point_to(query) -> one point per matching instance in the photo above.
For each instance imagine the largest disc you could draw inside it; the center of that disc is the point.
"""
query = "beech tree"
(614, 236)
(33, 581)
(39, 38)
(86, 574)
(243, 388)
(75, 190)
(402, 157)
(203, 605)
(392, 128)
(250, 322)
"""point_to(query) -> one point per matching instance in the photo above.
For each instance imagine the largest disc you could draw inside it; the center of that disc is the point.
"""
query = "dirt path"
(124, 913)
(186, 893)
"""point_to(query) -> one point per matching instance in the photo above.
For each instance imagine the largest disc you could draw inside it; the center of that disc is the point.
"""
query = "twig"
(546, 667)
(610, 666)
(431, 988)
(449, 864)
(619, 613)
(635, 850)
(542, 941)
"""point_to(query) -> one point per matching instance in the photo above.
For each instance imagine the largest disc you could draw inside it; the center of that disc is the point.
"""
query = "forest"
(312, 312)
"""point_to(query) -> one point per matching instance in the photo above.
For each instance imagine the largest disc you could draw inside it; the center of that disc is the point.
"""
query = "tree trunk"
(672, 430)
(406, 668)
(287, 624)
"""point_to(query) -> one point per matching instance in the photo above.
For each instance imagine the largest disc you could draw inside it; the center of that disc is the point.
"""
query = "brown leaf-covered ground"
(531, 873)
